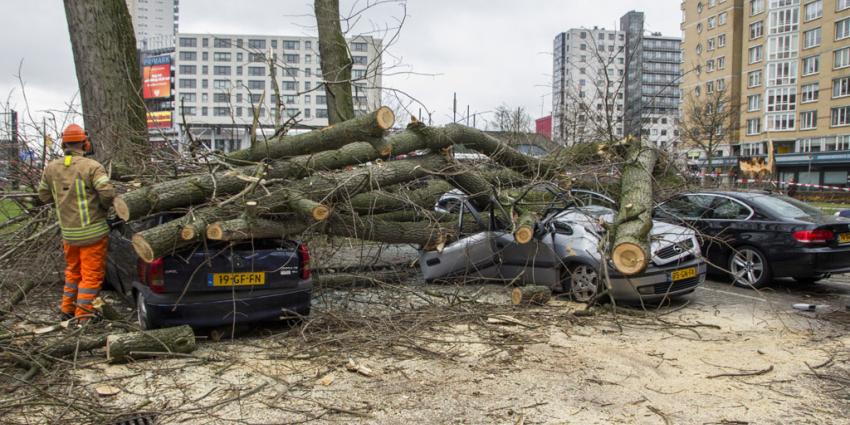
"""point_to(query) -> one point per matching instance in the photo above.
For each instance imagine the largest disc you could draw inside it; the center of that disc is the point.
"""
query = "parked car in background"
(263, 280)
(758, 236)
(843, 213)
(564, 253)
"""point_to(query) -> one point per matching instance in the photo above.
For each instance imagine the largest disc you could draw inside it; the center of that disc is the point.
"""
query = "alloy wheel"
(747, 267)
(584, 283)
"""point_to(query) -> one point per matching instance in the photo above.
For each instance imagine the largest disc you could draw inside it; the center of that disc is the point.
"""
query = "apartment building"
(609, 83)
(787, 69)
(154, 23)
(221, 78)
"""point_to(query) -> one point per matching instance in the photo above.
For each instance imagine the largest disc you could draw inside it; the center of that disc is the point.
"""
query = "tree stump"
(534, 294)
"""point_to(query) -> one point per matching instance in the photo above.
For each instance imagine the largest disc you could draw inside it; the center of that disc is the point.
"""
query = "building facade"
(607, 84)
(787, 69)
(220, 80)
(155, 22)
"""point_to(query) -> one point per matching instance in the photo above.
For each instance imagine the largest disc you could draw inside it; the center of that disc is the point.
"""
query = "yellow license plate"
(683, 273)
(844, 238)
(237, 279)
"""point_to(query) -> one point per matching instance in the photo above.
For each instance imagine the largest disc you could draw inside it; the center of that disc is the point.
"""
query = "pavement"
(834, 293)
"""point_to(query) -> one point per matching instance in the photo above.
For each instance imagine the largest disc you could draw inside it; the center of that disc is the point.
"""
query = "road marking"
(732, 293)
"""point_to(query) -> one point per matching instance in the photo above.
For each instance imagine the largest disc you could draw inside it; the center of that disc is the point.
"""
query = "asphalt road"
(833, 292)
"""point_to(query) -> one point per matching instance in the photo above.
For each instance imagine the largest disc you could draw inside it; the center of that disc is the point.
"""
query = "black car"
(757, 236)
(221, 284)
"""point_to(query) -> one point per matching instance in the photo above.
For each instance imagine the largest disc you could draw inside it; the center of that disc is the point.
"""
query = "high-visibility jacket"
(81, 191)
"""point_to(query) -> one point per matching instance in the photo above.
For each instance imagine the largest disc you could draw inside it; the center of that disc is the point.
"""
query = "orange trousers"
(85, 267)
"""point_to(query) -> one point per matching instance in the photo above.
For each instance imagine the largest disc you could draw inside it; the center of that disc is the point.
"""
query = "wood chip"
(326, 380)
(359, 368)
(48, 329)
(106, 390)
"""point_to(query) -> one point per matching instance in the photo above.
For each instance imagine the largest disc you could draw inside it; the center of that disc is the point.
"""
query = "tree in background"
(336, 61)
(512, 120)
(104, 47)
(708, 120)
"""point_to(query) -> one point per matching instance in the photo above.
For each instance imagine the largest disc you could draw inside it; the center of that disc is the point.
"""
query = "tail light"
(813, 236)
(304, 253)
(151, 274)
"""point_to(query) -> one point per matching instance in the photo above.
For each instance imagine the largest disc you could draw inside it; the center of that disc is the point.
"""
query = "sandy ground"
(465, 356)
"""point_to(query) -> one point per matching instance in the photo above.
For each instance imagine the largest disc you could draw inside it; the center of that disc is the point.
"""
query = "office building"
(154, 22)
(786, 67)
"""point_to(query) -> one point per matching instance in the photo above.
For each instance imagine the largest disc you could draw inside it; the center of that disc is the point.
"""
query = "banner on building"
(156, 77)
(159, 119)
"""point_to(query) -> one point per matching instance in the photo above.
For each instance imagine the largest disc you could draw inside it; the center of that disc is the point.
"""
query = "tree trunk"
(524, 228)
(380, 201)
(105, 310)
(107, 67)
(133, 345)
(244, 229)
(534, 294)
(630, 247)
(336, 62)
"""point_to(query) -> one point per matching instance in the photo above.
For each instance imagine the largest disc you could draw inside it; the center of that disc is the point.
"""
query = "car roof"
(746, 195)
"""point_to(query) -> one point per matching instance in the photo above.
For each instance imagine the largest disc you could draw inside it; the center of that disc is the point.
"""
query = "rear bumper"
(655, 284)
(225, 308)
(804, 262)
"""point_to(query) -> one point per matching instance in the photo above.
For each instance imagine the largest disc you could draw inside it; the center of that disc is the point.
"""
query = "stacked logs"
(346, 180)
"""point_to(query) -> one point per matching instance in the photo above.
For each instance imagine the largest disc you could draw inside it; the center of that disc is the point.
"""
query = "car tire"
(583, 283)
(748, 268)
(808, 280)
(145, 322)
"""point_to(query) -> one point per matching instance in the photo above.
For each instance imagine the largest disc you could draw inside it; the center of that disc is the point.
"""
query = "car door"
(689, 210)
(471, 255)
(725, 225)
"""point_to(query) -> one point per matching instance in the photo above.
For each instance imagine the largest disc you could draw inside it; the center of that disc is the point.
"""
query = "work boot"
(66, 316)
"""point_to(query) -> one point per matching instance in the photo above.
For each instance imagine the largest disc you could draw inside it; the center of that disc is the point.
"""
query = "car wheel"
(748, 268)
(584, 283)
(142, 313)
(808, 280)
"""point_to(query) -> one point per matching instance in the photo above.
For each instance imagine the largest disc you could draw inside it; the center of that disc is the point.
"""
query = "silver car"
(565, 255)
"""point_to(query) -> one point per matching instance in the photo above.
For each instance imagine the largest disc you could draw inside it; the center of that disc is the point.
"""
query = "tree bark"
(630, 243)
(381, 201)
(524, 228)
(107, 68)
(363, 128)
(105, 310)
(534, 294)
(336, 62)
(133, 345)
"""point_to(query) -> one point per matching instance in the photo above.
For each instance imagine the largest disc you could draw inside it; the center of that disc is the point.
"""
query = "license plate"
(236, 279)
(844, 238)
(683, 273)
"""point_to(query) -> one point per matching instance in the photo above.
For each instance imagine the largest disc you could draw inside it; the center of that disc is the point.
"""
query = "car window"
(584, 198)
(727, 209)
(450, 205)
(784, 206)
(688, 206)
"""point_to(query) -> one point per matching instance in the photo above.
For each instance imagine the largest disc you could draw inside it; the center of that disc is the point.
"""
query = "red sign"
(544, 126)
(159, 119)
(156, 81)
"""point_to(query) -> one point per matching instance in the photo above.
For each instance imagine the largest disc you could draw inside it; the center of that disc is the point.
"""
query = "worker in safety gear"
(80, 189)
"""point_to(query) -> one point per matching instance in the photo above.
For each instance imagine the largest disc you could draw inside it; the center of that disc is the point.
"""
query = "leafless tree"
(511, 120)
(709, 119)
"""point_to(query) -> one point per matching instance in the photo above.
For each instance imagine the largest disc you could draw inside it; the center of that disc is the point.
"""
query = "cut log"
(243, 229)
(105, 310)
(379, 201)
(360, 128)
(534, 294)
(524, 228)
(132, 345)
(630, 242)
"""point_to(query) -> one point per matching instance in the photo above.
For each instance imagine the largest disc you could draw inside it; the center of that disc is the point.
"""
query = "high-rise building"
(154, 22)
(786, 66)
(608, 83)
(221, 78)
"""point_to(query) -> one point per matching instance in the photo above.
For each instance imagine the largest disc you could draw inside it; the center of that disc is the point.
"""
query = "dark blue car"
(219, 284)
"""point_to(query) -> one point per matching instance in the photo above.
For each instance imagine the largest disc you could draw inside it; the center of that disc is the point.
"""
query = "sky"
(490, 52)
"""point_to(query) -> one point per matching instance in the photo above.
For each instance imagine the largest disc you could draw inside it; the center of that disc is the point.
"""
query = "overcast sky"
(490, 52)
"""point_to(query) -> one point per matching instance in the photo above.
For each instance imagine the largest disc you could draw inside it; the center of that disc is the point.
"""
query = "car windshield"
(784, 206)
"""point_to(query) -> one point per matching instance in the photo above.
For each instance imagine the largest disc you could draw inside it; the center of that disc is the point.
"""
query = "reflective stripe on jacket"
(80, 188)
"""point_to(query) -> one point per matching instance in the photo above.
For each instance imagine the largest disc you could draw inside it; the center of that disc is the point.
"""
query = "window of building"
(221, 57)
(257, 57)
(188, 110)
(841, 116)
(699, 27)
(721, 18)
(753, 102)
(756, 54)
(188, 69)
(188, 42)
(189, 97)
(221, 111)
(321, 100)
(204, 84)
(205, 69)
(206, 43)
(293, 44)
(709, 45)
(256, 44)
(221, 42)
(721, 62)
(754, 78)
(814, 10)
(811, 65)
(721, 40)
(842, 29)
(256, 84)
(808, 120)
(291, 58)
(841, 87)
(359, 60)
(753, 126)
(784, 20)
(709, 87)
(783, 47)
(781, 122)
(321, 113)
(256, 71)
(306, 86)
(187, 83)
(712, 22)
(221, 97)
(204, 110)
(359, 47)
(221, 70)
(290, 85)
(188, 56)
(756, 30)
(221, 84)
(205, 97)
(358, 73)
(809, 92)
(205, 56)
(812, 38)
(709, 65)
(842, 4)
(781, 73)
(756, 7)
(781, 99)
(841, 58)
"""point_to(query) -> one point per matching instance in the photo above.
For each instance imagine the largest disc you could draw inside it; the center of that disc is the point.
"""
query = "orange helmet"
(74, 134)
